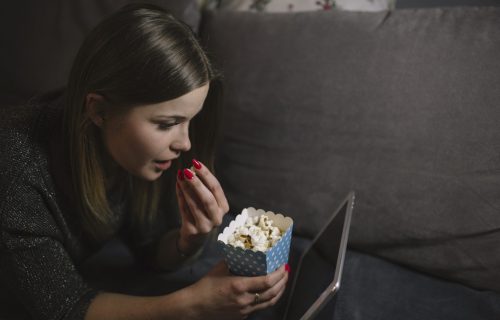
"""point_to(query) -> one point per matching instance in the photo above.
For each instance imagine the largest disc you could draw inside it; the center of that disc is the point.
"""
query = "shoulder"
(24, 193)
(17, 133)
(26, 203)
(25, 132)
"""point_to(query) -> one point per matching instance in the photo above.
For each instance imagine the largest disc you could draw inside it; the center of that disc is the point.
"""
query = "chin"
(153, 176)
(149, 175)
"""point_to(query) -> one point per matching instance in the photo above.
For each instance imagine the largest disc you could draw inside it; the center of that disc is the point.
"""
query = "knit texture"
(41, 243)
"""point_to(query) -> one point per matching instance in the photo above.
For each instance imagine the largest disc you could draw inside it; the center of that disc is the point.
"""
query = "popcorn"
(258, 234)
(256, 242)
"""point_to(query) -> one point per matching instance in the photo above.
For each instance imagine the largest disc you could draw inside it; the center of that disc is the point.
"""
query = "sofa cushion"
(300, 5)
(400, 107)
(41, 38)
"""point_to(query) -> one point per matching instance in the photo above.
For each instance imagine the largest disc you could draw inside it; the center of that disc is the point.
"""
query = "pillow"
(40, 40)
(300, 5)
(400, 107)
(407, 4)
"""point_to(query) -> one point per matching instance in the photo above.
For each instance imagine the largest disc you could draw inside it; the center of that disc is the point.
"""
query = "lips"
(162, 164)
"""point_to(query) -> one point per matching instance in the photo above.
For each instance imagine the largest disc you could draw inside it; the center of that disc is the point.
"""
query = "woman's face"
(145, 139)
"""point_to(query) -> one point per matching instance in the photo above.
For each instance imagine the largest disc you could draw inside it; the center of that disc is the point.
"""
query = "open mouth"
(162, 164)
(161, 161)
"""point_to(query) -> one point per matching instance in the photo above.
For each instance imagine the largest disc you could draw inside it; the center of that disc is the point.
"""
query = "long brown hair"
(139, 55)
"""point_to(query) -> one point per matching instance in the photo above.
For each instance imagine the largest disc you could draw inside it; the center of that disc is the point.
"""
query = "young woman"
(97, 162)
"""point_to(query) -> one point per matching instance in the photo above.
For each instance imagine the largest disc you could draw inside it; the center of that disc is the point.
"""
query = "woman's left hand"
(202, 205)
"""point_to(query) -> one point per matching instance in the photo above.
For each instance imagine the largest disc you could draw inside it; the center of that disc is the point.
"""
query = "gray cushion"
(40, 40)
(404, 4)
(403, 108)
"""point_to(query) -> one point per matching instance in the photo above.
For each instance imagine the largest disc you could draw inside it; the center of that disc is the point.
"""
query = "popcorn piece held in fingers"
(192, 170)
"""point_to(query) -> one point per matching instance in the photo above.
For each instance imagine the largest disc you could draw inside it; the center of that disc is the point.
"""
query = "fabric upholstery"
(300, 5)
(372, 289)
(401, 107)
(403, 4)
(41, 38)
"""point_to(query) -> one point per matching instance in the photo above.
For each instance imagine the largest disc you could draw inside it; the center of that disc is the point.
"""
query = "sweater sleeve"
(143, 239)
(34, 263)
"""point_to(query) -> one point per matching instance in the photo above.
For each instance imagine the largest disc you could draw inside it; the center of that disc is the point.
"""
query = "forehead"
(187, 105)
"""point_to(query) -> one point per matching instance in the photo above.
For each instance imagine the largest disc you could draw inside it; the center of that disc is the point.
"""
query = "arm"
(114, 306)
(173, 251)
(35, 266)
(38, 273)
(219, 295)
(202, 205)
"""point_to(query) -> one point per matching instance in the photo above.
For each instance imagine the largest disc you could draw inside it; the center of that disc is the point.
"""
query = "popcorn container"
(247, 262)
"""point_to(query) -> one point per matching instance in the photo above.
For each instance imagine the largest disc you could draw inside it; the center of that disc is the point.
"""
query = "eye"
(164, 126)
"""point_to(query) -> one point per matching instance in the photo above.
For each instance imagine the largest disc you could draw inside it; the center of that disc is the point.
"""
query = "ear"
(95, 108)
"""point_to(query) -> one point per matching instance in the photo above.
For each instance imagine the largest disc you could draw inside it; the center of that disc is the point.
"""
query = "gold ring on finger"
(256, 299)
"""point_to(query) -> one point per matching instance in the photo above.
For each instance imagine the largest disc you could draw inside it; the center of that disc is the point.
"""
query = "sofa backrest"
(402, 107)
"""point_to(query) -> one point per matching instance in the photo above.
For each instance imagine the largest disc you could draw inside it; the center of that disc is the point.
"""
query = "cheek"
(130, 145)
(143, 144)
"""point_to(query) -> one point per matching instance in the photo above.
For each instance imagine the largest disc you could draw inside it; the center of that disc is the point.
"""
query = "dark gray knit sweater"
(41, 244)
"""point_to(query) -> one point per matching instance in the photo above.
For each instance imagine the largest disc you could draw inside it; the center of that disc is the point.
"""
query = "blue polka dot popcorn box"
(253, 262)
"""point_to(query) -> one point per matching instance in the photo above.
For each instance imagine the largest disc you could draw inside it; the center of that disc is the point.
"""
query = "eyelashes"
(166, 126)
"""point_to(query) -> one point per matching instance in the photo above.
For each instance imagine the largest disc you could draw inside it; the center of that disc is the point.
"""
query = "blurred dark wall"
(39, 40)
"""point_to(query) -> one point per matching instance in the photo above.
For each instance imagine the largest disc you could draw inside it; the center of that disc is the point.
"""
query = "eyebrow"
(174, 117)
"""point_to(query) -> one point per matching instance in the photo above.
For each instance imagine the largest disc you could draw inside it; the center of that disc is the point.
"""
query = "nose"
(181, 142)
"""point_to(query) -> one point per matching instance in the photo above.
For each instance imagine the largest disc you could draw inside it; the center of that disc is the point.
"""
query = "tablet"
(319, 271)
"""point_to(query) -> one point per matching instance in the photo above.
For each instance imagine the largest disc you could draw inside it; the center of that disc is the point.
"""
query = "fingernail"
(287, 267)
(196, 164)
(179, 175)
(188, 174)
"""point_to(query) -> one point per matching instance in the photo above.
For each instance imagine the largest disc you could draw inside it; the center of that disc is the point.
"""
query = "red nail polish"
(180, 175)
(196, 164)
(287, 267)
(188, 174)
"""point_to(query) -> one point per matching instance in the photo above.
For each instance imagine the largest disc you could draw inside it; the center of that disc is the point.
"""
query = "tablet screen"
(316, 270)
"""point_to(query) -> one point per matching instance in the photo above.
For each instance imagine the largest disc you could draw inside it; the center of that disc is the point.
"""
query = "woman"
(95, 163)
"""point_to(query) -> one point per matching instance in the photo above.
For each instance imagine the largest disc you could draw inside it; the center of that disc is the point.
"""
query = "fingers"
(263, 305)
(204, 216)
(203, 195)
(212, 184)
(235, 292)
(272, 292)
(269, 287)
(250, 285)
(187, 217)
(263, 283)
(206, 200)
(267, 298)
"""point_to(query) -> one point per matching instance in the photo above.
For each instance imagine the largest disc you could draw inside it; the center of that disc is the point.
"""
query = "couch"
(400, 106)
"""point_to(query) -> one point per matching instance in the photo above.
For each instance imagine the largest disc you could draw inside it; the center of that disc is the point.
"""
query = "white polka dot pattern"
(246, 262)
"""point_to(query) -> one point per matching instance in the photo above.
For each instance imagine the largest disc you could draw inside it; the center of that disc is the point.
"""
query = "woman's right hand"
(221, 295)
